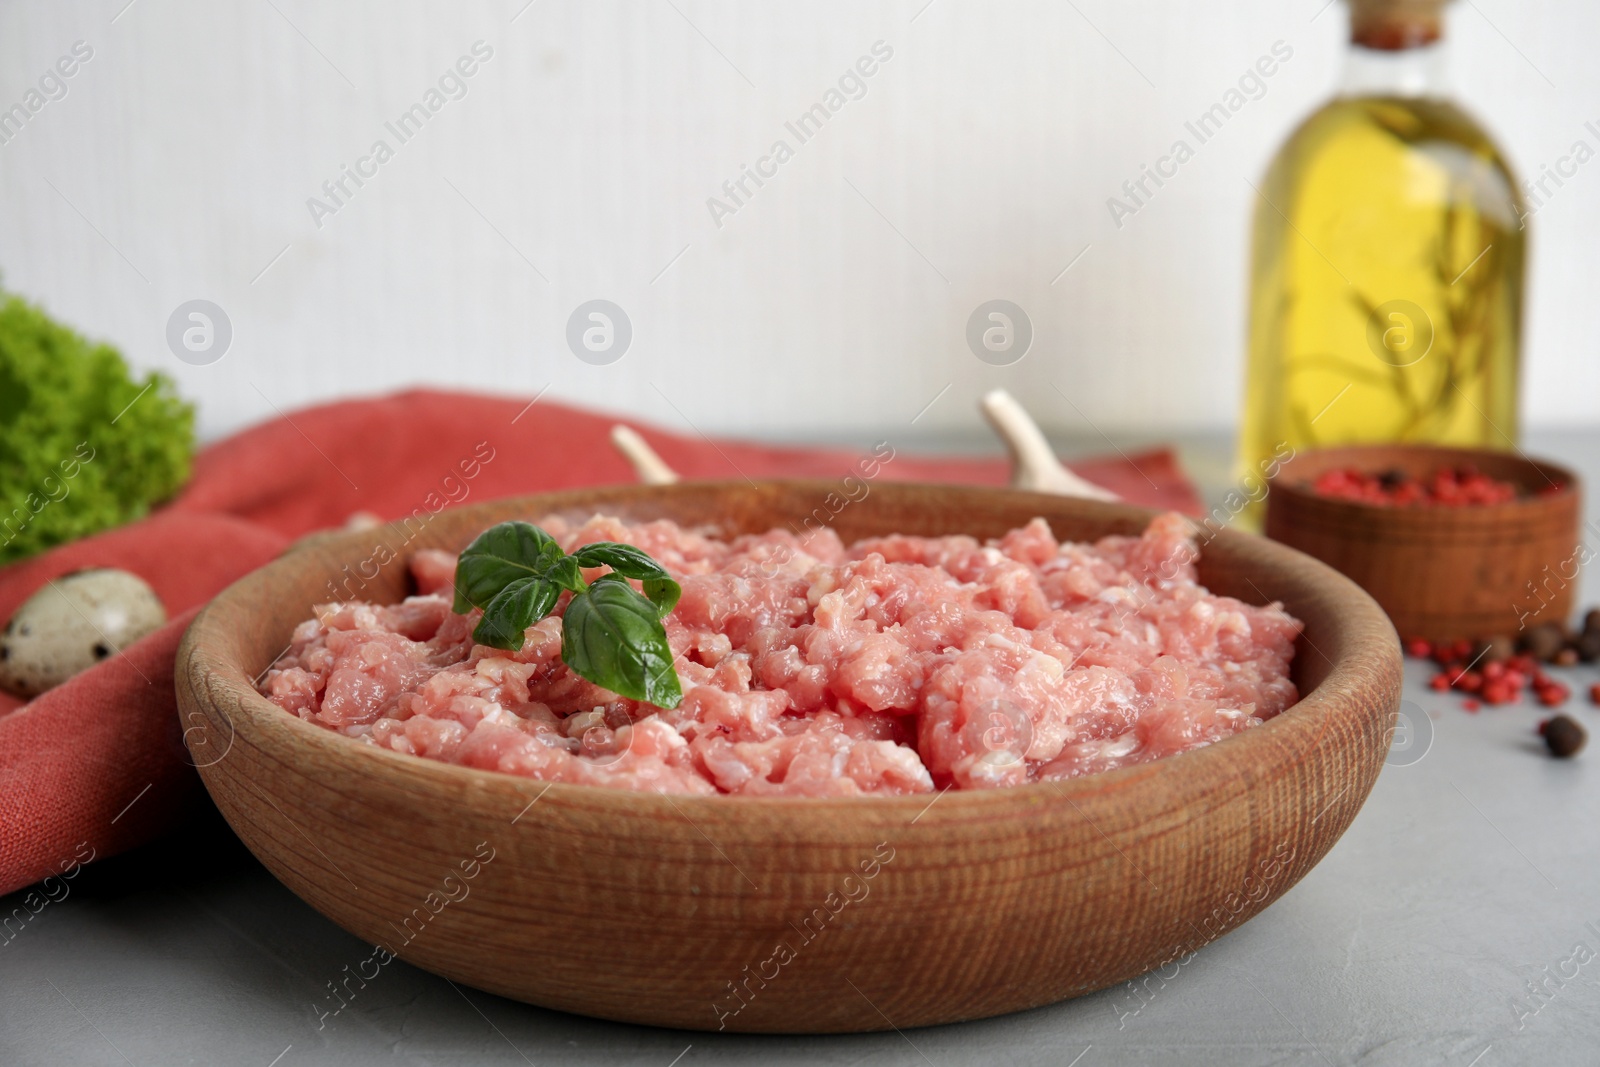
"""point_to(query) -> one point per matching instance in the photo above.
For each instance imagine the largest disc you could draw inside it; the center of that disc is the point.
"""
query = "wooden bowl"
(787, 914)
(1441, 573)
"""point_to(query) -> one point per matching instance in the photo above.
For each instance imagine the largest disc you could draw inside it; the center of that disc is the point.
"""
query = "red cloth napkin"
(98, 763)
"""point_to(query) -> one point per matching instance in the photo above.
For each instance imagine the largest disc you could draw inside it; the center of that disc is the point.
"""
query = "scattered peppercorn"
(1502, 670)
(1563, 736)
(1504, 681)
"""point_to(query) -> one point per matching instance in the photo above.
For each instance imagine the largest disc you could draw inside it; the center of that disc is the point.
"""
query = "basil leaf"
(518, 606)
(626, 560)
(613, 636)
(631, 562)
(663, 593)
(501, 554)
(566, 573)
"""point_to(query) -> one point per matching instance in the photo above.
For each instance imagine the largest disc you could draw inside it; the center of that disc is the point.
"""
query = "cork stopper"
(1395, 25)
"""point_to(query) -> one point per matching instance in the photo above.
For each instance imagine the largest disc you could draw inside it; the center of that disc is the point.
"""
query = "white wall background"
(579, 164)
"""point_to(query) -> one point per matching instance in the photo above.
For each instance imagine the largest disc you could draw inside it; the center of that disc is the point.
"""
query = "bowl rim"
(1564, 480)
(1309, 717)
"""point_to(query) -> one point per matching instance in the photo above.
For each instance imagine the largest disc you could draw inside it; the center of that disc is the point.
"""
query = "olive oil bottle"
(1387, 262)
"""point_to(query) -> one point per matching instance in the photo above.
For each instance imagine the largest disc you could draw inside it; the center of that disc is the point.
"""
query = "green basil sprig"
(610, 634)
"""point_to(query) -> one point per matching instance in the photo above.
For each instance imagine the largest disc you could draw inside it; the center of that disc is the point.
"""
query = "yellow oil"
(1386, 284)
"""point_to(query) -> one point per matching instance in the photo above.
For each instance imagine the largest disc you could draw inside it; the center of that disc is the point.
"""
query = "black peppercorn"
(1588, 640)
(1494, 650)
(1563, 736)
(1544, 641)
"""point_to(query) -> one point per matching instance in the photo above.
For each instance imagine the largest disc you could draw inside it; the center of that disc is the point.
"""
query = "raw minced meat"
(895, 665)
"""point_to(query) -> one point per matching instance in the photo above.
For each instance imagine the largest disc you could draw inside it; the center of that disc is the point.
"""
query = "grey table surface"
(1456, 922)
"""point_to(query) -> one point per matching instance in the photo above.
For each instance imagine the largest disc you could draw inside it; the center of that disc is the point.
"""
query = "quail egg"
(73, 623)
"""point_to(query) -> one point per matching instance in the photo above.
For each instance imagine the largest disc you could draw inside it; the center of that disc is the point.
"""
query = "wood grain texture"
(1441, 573)
(653, 909)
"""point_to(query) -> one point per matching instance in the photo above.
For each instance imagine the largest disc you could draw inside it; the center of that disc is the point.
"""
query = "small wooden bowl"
(1443, 574)
(784, 914)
